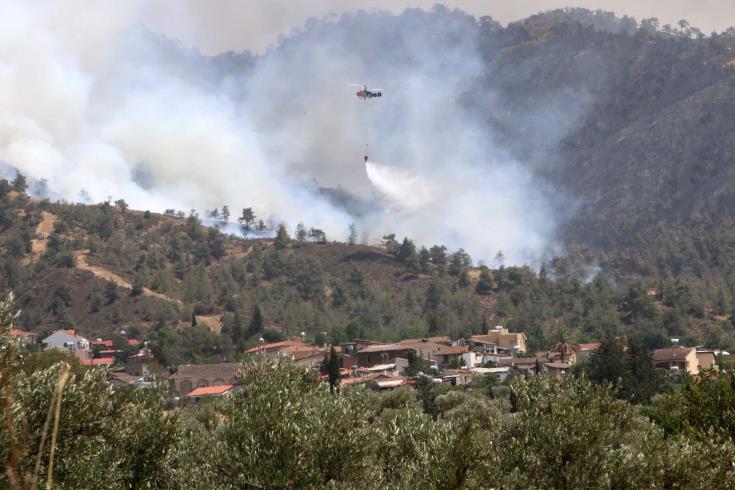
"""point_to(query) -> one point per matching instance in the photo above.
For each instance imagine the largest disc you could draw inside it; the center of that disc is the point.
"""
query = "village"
(498, 353)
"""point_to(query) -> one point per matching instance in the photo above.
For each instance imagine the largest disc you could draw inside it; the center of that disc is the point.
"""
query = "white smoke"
(92, 102)
(406, 191)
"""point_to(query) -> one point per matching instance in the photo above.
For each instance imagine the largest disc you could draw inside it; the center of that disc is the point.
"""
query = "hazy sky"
(220, 25)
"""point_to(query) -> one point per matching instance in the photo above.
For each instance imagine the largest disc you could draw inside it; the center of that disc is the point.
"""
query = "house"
(456, 356)
(99, 362)
(275, 350)
(382, 354)
(403, 364)
(118, 379)
(69, 341)
(309, 358)
(137, 364)
(707, 359)
(354, 346)
(503, 339)
(381, 380)
(189, 376)
(565, 355)
(457, 377)
(424, 348)
(558, 369)
(501, 372)
(28, 338)
(584, 351)
(347, 361)
(525, 363)
(390, 368)
(210, 391)
(679, 359)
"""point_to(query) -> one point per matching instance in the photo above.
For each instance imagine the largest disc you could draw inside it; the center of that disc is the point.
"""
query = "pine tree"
(642, 380)
(407, 255)
(391, 244)
(246, 220)
(19, 183)
(424, 260)
(300, 232)
(608, 363)
(282, 237)
(485, 284)
(438, 255)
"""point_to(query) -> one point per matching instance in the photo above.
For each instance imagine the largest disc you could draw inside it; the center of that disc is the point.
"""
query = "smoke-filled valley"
(132, 115)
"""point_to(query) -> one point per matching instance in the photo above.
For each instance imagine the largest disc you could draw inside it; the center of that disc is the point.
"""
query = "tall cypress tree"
(256, 322)
(608, 363)
(642, 381)
(333, 369)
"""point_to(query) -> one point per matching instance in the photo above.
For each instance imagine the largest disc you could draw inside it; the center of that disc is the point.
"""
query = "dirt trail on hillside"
(39, 243)
(107, 275)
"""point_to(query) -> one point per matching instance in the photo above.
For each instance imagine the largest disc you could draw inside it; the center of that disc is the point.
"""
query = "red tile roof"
(106, 343)
(16, 332)
(210, 391)
(133, 342)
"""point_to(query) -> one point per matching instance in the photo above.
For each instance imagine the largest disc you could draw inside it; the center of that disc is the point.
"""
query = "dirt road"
(107, 275)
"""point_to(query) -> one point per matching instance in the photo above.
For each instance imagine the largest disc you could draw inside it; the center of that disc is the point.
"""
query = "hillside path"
(108, 275)
(39, 242)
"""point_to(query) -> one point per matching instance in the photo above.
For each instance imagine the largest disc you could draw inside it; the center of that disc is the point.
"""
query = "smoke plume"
(101, 107)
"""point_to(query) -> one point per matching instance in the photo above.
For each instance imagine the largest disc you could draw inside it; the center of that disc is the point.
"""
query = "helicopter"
(367, 93)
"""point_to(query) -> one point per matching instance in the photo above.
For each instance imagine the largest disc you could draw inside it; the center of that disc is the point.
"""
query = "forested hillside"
(628, 122)
(196, 293)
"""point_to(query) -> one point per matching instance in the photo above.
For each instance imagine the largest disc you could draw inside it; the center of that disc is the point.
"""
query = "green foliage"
(705, 405)
(333, 369)
(561, 426)
(323, 287)
(282, 238)
(629, 368)
(256, 324)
